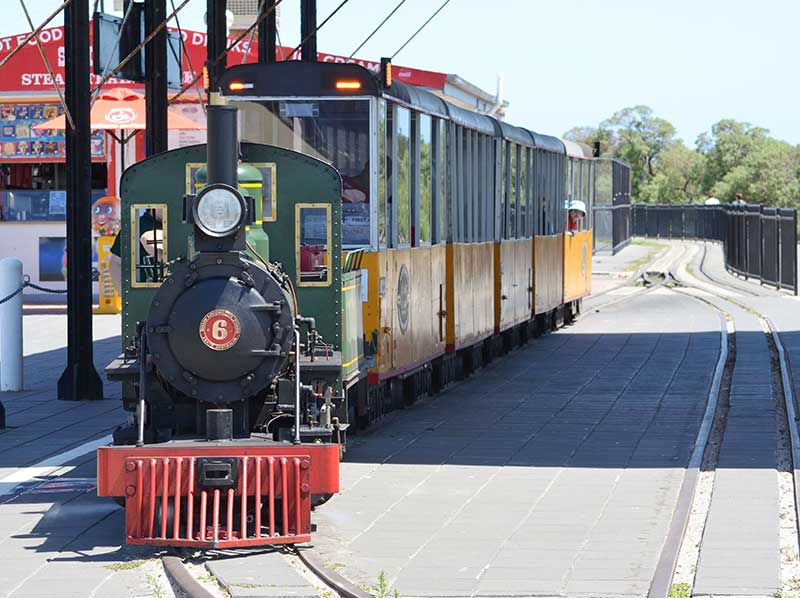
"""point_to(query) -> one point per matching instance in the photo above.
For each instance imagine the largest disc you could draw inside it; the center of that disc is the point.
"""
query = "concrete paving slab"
(262, 575)
(558, 490)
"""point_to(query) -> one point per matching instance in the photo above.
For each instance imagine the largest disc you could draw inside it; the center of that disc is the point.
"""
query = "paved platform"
(739, 554)
(740, 549)
(56, 537)
(552, 473)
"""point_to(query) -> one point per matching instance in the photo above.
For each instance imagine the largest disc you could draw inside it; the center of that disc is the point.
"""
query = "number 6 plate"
(220, 329)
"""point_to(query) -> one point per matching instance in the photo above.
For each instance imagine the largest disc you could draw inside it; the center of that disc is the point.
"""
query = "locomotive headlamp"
(219, 210)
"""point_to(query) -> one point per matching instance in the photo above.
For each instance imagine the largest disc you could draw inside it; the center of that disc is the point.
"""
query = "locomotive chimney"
(219, 424)
(223, 145)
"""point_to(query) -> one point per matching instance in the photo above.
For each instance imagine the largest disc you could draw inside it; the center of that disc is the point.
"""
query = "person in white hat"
(576, 210)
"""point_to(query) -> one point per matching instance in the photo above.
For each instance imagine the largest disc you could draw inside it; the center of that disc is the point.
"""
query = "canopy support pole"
(79, 380)
(155, 68)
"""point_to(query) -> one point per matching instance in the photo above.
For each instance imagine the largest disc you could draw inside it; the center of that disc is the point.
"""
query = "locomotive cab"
(236, 416)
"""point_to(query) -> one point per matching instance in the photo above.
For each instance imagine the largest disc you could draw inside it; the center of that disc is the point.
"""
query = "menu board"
(19, 141)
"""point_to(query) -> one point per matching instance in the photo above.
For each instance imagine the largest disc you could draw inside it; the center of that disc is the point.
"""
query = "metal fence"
(612, 205)
(758, 242)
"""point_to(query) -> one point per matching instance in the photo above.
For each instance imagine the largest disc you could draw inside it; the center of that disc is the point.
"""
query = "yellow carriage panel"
(481, 287)
(470, 293)
(385, 359)
(522, 286)
(513, 286)
(577, 265)
(406, 313)
(548, 271)
(371, 309)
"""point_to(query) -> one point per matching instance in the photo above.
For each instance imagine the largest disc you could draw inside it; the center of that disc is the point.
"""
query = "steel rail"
(791, 411)
(181, 577)
(342, 586)
(661, 583)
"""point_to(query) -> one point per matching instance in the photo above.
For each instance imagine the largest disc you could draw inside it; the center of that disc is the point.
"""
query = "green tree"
(640, 138)
(634, 135)
(733, 157)
(679, 178)
(768, 174)
(729, 144)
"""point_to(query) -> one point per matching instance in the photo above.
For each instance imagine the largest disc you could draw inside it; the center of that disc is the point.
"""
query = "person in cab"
(576, 211)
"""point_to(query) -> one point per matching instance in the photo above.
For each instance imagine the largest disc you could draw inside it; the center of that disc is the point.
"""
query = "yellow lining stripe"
(350, 288)
(351, 362)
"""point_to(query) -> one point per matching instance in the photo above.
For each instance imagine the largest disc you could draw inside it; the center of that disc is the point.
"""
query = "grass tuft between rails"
(382, 589)
(680, 590)
(125, 566)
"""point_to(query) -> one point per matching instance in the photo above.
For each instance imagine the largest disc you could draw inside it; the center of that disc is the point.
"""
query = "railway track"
(680, 269)
(191, 579)
(680, 566)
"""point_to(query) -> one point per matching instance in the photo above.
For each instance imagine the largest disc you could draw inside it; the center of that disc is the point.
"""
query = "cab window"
(333, 130)
(148, 245)
(313, 233)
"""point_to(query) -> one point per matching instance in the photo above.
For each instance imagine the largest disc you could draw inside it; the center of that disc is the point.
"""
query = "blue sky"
(575, 62)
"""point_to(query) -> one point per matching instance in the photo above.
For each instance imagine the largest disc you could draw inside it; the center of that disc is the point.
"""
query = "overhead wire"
(320, 26)
(35, 32)
(49, 67)
(374, 31)
(408, 41)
